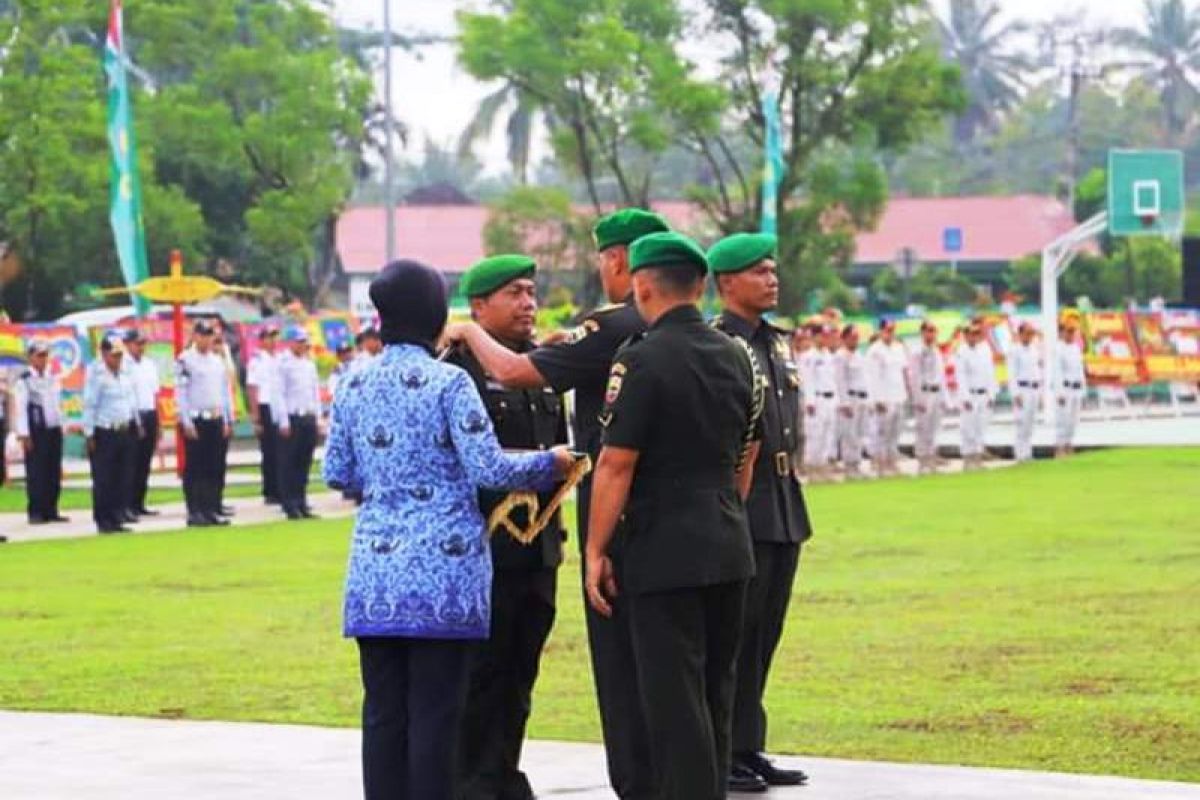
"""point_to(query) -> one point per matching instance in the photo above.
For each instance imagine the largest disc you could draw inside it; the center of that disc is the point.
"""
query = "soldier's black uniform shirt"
(582, 363)
(682, 396)
(523, 419)
(776, 505)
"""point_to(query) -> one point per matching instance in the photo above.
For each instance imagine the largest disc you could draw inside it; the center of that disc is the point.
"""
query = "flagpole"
(389, 200)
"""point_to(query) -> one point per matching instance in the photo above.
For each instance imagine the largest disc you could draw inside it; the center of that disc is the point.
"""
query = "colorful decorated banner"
(69, 357)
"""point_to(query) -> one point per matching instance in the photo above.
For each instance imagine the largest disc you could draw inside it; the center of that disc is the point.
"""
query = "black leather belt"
(1072, 385)
(979, 391)
(859, 395)
(931, 388)
(826, 395)
(1028, 384)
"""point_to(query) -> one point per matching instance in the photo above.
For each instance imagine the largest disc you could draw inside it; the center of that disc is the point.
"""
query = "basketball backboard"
(1145, 193)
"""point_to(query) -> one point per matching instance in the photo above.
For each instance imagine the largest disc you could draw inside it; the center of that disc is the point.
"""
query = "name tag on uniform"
(495, 386)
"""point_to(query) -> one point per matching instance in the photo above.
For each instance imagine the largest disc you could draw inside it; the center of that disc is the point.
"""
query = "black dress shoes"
(308, 513)
(272, 501)
(58, 518)
(114, 529)
(227, 511)
(744, 780)
(774, 776)
(146, 512)
(37, 519)
(213, 519)
(198, 521)
(129, 517)
(294, 514)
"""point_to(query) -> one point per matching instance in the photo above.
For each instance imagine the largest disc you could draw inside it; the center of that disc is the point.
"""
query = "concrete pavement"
(72, 756)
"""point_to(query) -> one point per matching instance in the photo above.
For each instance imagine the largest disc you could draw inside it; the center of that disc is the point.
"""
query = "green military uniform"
(582, 363)
(683, 397)
(505, 667)
(779, 521)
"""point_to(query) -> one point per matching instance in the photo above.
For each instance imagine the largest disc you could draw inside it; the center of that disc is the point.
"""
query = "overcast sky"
(435, 97)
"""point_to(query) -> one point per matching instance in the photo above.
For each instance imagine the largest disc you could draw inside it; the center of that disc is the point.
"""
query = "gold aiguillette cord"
(501, 515)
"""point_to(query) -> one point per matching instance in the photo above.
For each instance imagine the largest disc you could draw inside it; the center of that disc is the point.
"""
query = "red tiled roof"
(447, 237)
(994, 228)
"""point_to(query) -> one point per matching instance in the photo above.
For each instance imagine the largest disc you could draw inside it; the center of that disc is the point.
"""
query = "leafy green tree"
(856, 79)
(1166, 56)
(993, 71)
(606, 72)
(522, 112)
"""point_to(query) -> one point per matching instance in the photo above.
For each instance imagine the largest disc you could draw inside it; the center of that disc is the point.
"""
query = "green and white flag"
(773, 166)
(125, 205)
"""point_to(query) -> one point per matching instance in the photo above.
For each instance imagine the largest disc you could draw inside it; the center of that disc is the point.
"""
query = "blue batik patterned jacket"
(412, 435)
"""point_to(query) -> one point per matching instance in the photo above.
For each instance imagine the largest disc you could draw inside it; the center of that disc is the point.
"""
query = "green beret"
(626, 225)
(740, 251)
(490, 274)
(667, 247)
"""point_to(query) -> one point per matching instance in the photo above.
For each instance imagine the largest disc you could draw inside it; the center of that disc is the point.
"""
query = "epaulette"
(630, 342)
(25, 375)
(608, 308)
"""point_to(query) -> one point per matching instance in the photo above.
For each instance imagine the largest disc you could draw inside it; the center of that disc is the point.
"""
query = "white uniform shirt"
(975, 372)
(852, 377)
(202, 385)
(144, 376)
(299, 390)
(1069, 360)
(818, 374)
(42, 390)
(886, 366)
(1024, 368)
(927, 371)
(263, 374)
(109, 398)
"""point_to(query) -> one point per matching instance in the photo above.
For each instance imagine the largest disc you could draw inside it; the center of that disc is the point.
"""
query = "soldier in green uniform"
(744, 267)
(503, 301)
(581, 361)
(680, 423)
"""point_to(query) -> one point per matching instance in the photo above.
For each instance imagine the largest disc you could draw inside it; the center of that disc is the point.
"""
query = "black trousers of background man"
(618, 694)
(268, 450)
(686, 645)
(112, 460)
(500, 690)
(43, 471)
(295, 461)
(767, 600)
(143, 459)
(413, 695)
(202, 469)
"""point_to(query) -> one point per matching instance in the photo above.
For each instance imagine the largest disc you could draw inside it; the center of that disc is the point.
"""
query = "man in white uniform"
(261, 382)
(976, 375)
(1070, 388)
(297, 407)
(818, 371)
(143, 374)
(1024, 386)
(887, 361)
(206, 415)
(853, 402)
(927, 387)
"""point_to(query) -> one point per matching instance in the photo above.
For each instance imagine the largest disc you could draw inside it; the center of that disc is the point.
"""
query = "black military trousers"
(3, 439)
(500, 690)
(268, 450)
(622, 719)
(143, 459)
(295, 460)
(686, 646)
(111, 458)
(43, 472)
(767, 600)
(202, 469)
(413, 694)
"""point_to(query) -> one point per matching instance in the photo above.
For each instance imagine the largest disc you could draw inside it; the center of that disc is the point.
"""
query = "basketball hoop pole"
(1056, 259)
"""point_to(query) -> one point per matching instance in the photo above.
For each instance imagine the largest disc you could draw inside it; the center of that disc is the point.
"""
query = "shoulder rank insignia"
(582, 331)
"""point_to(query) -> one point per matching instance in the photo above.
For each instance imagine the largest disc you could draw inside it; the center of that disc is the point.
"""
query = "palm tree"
(1167, 56)
(523, 111)
(993, 74)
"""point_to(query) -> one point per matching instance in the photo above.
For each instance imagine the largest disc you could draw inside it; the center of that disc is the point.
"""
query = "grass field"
(1045, 616)
(12, 497)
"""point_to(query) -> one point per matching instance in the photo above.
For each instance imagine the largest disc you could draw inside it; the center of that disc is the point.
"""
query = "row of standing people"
(856, 402)
(680, 688)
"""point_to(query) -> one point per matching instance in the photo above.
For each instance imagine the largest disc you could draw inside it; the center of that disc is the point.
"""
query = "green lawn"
(1045, 616)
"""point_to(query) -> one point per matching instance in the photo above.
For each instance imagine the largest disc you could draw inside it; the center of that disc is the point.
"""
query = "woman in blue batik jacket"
(410, 434)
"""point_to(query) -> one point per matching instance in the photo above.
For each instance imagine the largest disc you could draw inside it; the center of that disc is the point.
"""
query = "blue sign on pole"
(952, 240)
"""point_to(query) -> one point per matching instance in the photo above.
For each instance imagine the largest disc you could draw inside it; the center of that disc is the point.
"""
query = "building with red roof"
(989, 232)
